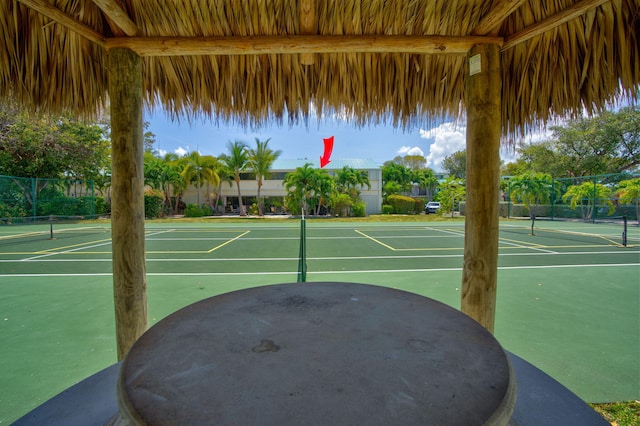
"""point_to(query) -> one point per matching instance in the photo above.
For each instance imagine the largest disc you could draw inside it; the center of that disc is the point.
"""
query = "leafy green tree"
(426, 180)
(260, 160)
(532, 189)
(414, 162)
(456, 164)
(237, 160)
(399, 174)
(308, 189)
(49, 146)
(585, 196)
(199, 169)
(450, 192)
(629, 192)
(149, 138)
(348, 182)
(588, 146)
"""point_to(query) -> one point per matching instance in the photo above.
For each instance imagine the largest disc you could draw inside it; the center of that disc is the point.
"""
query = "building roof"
(335, 164)
(402, 62)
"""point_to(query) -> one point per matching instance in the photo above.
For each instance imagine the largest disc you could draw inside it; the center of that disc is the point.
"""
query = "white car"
(432, 207)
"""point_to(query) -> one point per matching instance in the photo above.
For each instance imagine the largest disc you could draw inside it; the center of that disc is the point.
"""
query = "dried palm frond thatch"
(581, 64)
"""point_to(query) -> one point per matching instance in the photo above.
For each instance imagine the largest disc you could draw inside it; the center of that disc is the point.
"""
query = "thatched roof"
(206, 57)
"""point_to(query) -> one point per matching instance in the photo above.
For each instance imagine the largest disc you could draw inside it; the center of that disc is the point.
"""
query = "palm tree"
(260, 160)
(170, 178)
(198, 170)
(347, 182)
(237, 160)
(585, 196)
(532, 188)
(299, 185)
(629, 192)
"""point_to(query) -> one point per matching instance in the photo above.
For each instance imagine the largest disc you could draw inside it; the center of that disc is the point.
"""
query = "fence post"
(34, 186)
(595, 201)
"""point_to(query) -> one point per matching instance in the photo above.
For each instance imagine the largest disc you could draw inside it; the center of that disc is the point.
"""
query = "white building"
(273, 188)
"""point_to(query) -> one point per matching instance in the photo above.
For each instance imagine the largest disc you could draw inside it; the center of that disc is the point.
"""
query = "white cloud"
(447, 139)
(162, 152)
(410, 150)
(181, 151)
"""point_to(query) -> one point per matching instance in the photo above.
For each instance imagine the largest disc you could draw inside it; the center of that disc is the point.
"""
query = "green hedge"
(387, 209)
(402, 204)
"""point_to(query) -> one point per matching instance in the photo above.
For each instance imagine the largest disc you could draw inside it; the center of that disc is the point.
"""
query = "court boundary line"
(293, 273)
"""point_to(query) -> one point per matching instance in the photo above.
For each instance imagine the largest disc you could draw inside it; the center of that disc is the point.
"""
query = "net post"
(624, 231)
(302, 260)
(51, 227)
(533, 222)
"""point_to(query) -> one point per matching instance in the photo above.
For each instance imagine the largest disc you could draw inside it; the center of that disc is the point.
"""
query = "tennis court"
(568, 296)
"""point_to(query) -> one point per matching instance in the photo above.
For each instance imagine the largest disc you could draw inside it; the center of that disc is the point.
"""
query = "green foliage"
(387, 209)
(253, 209)
(604, 144)
(11, 211)
(62, 205)
(309, 188)
(450, 193)
(532, 189)
(260, 160)
(402, 204)
(585, 196)
(629, 192)
(456, 164)
(50, 146)
(101, 206)
(237, 160)
(359, 209)
(152, 204)
(193, 210)
(341, 204)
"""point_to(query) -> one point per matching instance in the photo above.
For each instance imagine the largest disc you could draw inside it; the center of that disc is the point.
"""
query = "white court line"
(370, 271)
(272, 259)
(527, 247)
(84, 247)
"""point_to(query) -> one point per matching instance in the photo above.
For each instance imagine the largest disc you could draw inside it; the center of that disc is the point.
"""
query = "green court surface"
(568, 297)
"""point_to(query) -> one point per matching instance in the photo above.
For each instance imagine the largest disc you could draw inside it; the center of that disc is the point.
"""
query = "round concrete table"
(317, 354)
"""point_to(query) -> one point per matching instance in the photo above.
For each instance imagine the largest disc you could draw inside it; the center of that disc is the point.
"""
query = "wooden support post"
(127, 200)
(483, 98)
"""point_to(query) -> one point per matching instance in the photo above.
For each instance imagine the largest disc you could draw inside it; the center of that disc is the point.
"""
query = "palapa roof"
(250, 61)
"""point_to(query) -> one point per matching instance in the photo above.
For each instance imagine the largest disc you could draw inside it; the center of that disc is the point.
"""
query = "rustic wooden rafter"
(118, 16)
(309, 44)
(189, 46)
(490, 23)
(553, 21)
(65, 20)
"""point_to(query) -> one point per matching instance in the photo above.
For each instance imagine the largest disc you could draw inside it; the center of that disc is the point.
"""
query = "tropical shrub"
(152, 204)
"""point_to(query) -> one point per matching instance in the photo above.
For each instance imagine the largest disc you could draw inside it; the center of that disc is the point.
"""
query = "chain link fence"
(588, 198)
(23, 198)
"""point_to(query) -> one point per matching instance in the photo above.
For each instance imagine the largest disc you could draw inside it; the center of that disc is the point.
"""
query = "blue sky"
(378, 143)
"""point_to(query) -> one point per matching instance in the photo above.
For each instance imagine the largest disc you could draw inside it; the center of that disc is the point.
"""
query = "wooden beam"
(308, 26)
(45, 8)
(186, 46)
(127, 198)
(490, 23)
(483, 99)
(553, 21)
(118, 16)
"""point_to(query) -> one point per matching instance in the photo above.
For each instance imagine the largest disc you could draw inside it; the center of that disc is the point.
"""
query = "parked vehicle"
(432, 207)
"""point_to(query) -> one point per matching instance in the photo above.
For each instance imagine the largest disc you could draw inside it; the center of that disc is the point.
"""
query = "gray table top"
(317, 353)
